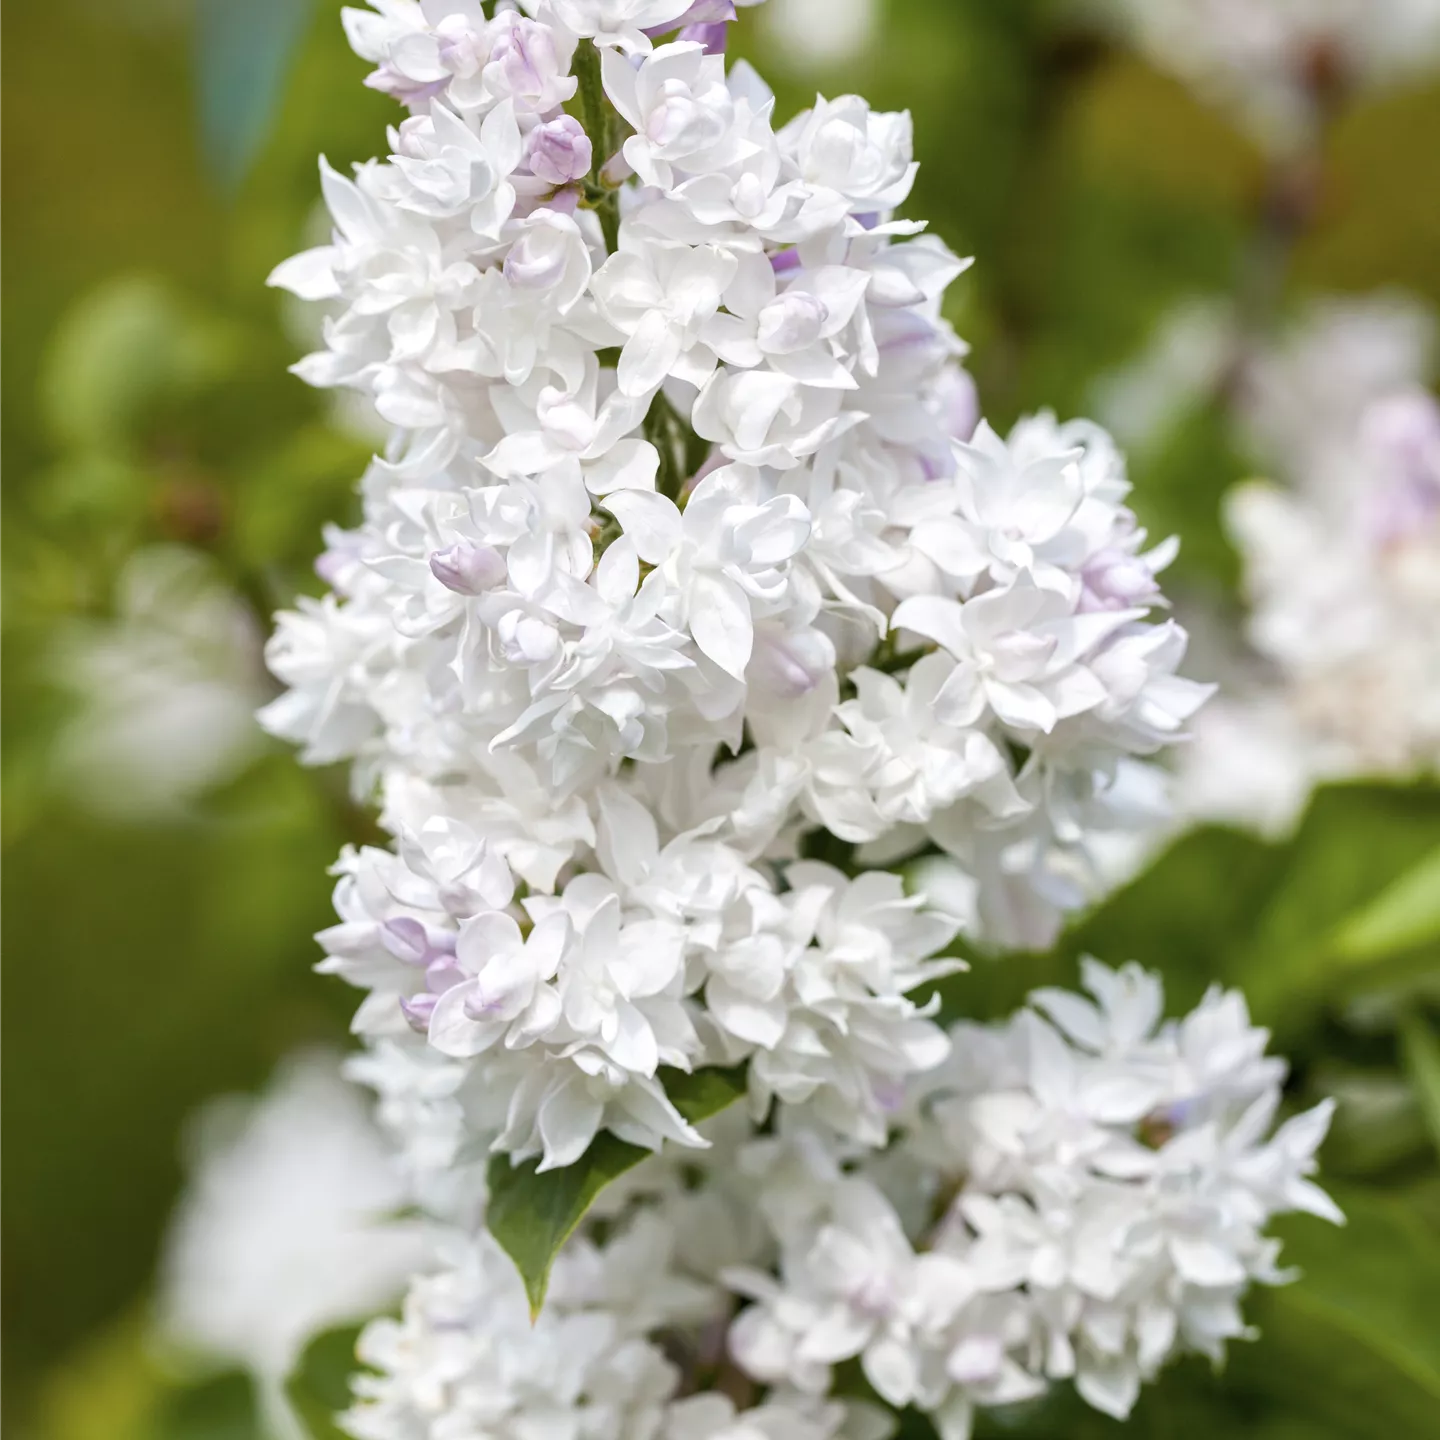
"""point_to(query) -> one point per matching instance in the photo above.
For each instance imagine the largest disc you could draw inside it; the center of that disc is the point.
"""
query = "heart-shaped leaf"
(533, 1215)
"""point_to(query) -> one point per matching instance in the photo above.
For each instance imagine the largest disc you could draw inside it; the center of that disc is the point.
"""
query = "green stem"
(671, 436)
(598, 119)
(891, 660)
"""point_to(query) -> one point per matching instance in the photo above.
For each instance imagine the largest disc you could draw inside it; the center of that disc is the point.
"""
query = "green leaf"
(220, 1409)
(1353, 842)
(533, 1215)
(1421, 1049)
(243, 54)
(1196, 903)
(319, 1386)
(1404, 916)
(1352, 1345)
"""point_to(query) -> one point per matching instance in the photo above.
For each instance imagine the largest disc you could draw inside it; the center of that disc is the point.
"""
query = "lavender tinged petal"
(712, 35)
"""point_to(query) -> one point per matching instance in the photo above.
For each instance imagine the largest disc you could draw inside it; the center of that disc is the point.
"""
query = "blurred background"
(1220, 242)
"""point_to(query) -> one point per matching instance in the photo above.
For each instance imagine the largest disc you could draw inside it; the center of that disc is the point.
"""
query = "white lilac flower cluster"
(687, 564)
(284, 1231)
(165, 689)
(1339, 550)
(1078, 1196)
(1342, 565)
(631, 1323)
(1281, 64)
(685, 547)
(1085, 1196)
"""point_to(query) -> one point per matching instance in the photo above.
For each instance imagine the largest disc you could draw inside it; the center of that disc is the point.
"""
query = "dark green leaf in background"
(1354, 1344)
(319, 1387)
(220, 1409)
(1421, 1049)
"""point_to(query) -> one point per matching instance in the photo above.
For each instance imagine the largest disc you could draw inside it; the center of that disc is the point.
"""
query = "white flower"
(443, 168)
(659, 296)
(845, 147)
(282, 1232)
(897, 762)
(1019, 655)
(528, 63)
(680, 108)
(166, 690)
(465, 1359)
(857, 1289)
(762, 417)
(714, 1417)
(725, 555)
(1100, 1206)
(612, 23)
(797, 331)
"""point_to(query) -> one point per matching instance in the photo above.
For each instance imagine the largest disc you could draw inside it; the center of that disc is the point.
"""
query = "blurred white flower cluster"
(692, 603)
(1340, 549)
(286, 1229)
(165, 689)
(1281, 64)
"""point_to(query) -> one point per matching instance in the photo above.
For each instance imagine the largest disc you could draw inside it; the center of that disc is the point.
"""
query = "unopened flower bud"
(404, 937)
(468, 569)
(559, 151)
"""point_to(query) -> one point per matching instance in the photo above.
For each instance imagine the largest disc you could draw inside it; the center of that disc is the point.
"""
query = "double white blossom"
(1095, 1186)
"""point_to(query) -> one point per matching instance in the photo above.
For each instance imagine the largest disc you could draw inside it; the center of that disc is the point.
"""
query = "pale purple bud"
(417, 1010)
(415, 94)
(443, 974)
(784, 261)
(1116, 580)
(976, 1360)
(405, 939)
(468, 569)
(959, 402)
(558, 151)
(463, 47)
(524, 64)
(789, 666)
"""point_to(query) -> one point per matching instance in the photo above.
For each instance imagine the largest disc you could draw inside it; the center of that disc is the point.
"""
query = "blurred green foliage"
(159, 158)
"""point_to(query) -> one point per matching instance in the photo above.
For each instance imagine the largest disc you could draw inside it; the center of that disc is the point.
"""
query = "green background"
(159, 158)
